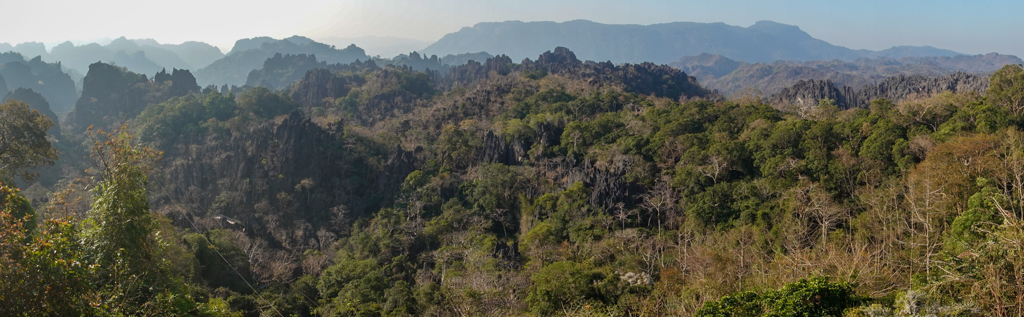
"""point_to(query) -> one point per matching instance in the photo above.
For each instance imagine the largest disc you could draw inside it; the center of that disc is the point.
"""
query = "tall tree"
(119, 232)
(23, 143)
(1006, 88)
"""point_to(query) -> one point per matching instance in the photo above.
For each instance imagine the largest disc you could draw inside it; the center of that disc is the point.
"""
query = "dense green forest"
(548, 187)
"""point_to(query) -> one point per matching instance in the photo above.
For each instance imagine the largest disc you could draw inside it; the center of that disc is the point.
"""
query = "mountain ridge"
(730, 76)
(764, 41)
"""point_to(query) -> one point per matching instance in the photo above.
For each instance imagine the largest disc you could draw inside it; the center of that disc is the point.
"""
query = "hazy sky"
(965, 26)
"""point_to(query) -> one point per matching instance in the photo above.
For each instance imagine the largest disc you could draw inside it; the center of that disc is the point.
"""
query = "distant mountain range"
(250, 54)
(144, 56)
(766, 56)
(729, 76)
(379, 46)
(765, 41)
(45, 79)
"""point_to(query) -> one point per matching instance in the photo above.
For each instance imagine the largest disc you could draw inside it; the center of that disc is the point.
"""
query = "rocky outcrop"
(806, 94)
(473, 71)
(607, 183)
(901, 88)
(320, 86)
(560, 61)
(289, 168)
(644, 78)
(398, 167)
(499, 150)
(110, 94)
(181, 80)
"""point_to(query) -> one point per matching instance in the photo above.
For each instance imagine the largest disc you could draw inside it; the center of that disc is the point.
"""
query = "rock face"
(109, 94)
(289, 164)
(321, 86)
(608, 185)
(806, 94)
(473, 71)
(909, 87)
(398, 167)
(112, 95)
(181, 80)
(497, 150)
(37, 102)
(317, 85)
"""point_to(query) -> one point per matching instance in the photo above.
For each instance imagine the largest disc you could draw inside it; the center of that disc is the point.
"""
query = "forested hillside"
(547, 187)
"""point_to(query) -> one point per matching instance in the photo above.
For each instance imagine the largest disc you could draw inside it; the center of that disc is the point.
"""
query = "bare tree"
(924, 198)
(714, 168)
(660, 201)
(816, 203)
(622, 214)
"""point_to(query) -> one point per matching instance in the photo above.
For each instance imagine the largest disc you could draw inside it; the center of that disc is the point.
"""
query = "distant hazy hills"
(145, 56)
(729, 76)
(249, 54)
(766, 56)
(765, 41)
(382, 46)
(45, 79)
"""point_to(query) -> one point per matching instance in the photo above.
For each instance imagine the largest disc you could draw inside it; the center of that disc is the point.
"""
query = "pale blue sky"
(972, 27)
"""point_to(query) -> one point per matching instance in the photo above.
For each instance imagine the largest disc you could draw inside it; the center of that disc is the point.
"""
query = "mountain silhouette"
(765, 41)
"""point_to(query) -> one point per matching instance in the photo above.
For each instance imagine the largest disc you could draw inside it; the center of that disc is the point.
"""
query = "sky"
(972, 27)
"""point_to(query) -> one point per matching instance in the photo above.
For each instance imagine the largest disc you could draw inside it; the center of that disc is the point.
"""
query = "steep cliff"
(112, 95)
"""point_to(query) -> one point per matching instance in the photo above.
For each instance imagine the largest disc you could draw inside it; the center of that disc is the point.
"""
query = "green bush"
(807, 297)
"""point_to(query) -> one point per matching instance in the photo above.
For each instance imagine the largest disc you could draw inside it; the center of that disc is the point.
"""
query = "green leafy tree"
(353, 288)
(562, 286)
(1006, 88)
(132, 274)
(807, 297)
(23, 143)
(41, 269)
